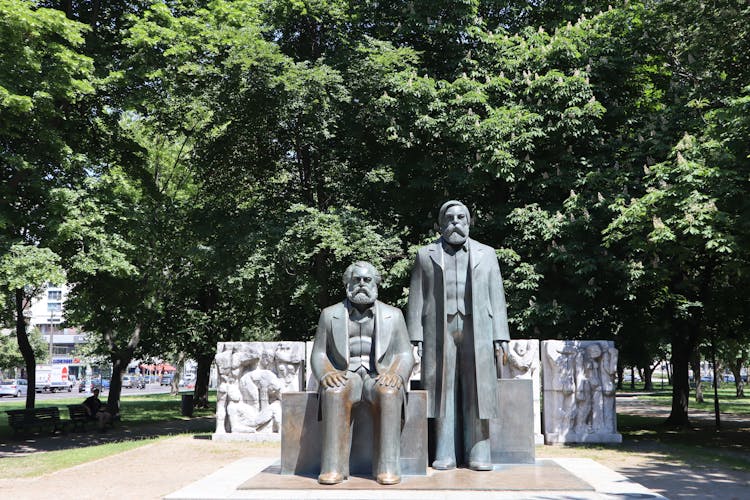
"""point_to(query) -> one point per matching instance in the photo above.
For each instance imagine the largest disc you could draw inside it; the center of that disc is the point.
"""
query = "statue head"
(593, 350)
(521, 347)
(361, 280)
(454, 219)
(266, 358)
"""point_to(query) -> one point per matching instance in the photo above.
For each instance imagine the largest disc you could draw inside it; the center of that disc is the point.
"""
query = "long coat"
(427, 323)
(393, 352)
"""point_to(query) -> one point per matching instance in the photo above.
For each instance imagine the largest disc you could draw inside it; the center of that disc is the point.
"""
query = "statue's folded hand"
(388, 379)
(333, 379)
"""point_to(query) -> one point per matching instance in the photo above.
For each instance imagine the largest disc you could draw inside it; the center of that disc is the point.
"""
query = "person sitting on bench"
(96, 410)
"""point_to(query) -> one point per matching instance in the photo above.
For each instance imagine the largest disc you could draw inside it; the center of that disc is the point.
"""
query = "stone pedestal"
(512, 433)
(523, 363)
(301, 436)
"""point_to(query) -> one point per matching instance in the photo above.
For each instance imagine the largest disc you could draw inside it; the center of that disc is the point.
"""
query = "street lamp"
(51, 333)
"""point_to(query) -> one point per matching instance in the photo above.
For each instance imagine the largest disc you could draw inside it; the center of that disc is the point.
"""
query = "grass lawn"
(728, 401)
(136, 410)
(41, 463)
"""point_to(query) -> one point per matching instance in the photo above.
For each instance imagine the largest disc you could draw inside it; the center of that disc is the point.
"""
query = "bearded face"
(361, 287)
(455, 225)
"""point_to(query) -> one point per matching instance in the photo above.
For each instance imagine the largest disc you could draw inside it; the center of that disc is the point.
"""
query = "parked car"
(101, 384)
(139, 382)
(128, 381)
(166, 380)
(15, 387)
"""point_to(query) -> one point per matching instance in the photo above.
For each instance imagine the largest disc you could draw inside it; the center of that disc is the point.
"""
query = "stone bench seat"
(302, 435)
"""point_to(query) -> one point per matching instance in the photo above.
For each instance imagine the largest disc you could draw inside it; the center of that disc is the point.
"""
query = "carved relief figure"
(523, 359)
(288, 362)
(249, 395)
(224, 366)
(579, 391)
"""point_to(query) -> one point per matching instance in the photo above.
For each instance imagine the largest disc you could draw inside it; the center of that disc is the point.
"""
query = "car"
(14, 387)
(166, 380)
(101, 384)
(128, 381)
(82, 385)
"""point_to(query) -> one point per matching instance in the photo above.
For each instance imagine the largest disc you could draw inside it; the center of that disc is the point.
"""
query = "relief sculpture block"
(251, 378)
(579, 391)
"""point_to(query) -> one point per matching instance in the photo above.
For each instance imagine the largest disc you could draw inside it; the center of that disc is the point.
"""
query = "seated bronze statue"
(361, 353)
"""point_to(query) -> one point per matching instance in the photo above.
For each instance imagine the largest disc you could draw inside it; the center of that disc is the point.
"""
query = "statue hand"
(333, 379)
(389, 380)
(501, 350)
(419, 348)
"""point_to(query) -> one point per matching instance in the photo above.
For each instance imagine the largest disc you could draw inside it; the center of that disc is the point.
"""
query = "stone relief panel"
(251, 378)
(523, 363)
(579, 391)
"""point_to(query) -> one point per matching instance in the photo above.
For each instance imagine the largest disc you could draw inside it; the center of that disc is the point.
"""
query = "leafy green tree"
(10, 354)
(42, 78)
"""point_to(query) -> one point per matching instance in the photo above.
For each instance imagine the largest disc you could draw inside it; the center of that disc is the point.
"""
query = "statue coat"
(427, 323)
(393, 352)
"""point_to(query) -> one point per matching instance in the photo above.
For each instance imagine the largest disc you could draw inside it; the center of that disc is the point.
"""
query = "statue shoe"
(388, 478)
(330, 478)
(480, 465)
(444, 464)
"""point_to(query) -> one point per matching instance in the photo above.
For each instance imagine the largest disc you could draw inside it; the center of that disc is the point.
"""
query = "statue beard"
(456, 235)
(361, 295)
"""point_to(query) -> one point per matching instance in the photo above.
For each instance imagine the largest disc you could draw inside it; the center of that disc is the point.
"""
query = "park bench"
(79, 418)
(35, 418)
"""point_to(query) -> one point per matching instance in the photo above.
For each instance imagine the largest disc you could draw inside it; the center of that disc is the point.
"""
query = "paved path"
(160, 468)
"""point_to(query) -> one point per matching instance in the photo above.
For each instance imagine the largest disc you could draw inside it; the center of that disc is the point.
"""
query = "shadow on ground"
(691, 481)
(122, 431)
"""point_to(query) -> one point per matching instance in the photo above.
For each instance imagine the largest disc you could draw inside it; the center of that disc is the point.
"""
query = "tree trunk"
(620, 374)
(179, 364)
(202, 376)
(120, 361)
(695, 365)
(648, 384)
(669, 372)
(26, 350)
(739, 385)
(681, 350)
(716, 384)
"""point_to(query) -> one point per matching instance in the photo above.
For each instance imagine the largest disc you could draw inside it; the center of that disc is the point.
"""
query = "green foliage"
(10, 355)
(28, 268)
(242, 153)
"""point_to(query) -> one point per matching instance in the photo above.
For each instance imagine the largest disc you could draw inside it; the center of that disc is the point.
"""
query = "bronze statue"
(361, 353)
(457, 319)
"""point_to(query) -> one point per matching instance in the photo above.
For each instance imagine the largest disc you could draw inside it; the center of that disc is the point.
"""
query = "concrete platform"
(560, 478)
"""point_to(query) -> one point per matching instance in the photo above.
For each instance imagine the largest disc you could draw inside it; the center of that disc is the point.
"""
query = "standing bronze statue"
(361, 353)
(458, 320)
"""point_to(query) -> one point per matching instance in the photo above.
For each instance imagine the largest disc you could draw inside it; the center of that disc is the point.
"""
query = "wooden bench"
(79, 418)
(35, 418)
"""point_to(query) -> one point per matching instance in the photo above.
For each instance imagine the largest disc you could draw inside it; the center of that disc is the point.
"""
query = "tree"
(42, 78)
(24, 272)
(10, 354)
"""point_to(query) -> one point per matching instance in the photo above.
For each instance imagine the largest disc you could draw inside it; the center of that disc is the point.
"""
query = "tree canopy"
(215, 165)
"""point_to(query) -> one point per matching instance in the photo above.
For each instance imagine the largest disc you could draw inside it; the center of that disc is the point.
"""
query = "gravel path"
(158, 469)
